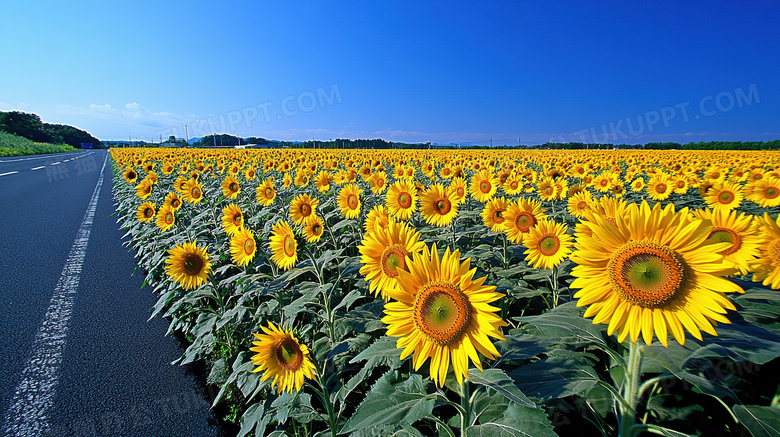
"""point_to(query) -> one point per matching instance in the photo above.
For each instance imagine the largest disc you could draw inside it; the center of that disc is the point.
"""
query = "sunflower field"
(471, 293)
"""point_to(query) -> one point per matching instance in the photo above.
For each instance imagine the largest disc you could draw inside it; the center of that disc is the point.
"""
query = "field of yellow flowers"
(472, 293)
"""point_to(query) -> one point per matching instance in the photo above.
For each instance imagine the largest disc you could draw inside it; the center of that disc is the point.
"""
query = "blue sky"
(448, 72)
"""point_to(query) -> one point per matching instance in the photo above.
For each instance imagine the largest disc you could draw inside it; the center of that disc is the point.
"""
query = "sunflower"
(439, 205)
(349, 200)
(230, 187)
(266, 192)
(658, 187)
(188, 265)
(401, 200)
(520, 217)
(493, 213)
(232, 219)
(165, 218)
(546, 189)
(250, 173)
(458, 188)
(483, 185)
(547, 244)
(378, 216)
(383, 253)
(301, 207)
(378, 182)
(284, 248)
(513, 185)
(579, 204)
(242, 247)
(143, 189)
(286, 180)
(765, 192)
(724, 195)
(322, 181)
(443, 313)
(282, 358)
(766, 268)
(146, 212)
(637, 185)
(736, 230)
(653, 271)
(172, 199)
(130, 175)
(314, 229)
(193, 191)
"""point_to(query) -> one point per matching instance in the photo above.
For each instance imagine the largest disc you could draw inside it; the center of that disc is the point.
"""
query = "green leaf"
(557, 376)
(497, 380)
(760, 421)
(391, 401)
(517, 421)
(564, 324)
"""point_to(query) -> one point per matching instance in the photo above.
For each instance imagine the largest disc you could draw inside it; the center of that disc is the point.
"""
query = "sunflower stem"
(631, 390)
(465, 403)
(325, 396)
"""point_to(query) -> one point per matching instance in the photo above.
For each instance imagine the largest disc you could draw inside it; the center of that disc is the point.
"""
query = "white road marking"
(34, 157)
(33, 398)
(55, 163)
(38, 168)
(10, 172)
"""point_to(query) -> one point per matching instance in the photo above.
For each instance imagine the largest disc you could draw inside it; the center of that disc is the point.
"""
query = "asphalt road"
(105, 370)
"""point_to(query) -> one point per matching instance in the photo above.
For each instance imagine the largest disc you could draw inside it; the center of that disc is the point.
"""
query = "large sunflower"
(443, 313)
(384, 252)
(283, 358)
(143, 189)
(378, 216)
(520, 217)
(284, 248)
(736, 230)
(580, 203)
(232, 219)
(301, 207)
(659, 187)
(230, 187)
(266, 192)
(242, 247)
(458, 188)
(439, 205)
(547, 244)
(172, 199)
(765, 192)
(401, 199)
(130, 175)
(652, 271)
(483, 185)
(314, 229)
(349, 200)
(188, 265)
(192, 191)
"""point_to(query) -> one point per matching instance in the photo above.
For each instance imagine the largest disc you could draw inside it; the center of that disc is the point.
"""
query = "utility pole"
(491, 143)
(186, 135)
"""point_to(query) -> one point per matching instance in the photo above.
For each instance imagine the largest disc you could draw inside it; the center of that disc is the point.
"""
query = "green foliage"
(30, 126)
(14, 145)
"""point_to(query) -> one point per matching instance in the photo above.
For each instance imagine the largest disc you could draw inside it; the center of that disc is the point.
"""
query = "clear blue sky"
(405, 71)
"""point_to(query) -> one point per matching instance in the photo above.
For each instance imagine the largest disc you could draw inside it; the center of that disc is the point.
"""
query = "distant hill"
(30, 126)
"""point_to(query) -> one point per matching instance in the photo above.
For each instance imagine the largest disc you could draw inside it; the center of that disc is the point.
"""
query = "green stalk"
(465, 403)
(631, 390)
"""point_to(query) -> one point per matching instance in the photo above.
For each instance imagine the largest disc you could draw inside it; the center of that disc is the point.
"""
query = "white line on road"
(38, 168)
(10, 172)
(34, 396)
(34, 157)
(55, 163)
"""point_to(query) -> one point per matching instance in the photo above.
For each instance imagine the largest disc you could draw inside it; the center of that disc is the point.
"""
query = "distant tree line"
(340, 143)
(30, 126)
(225, 140)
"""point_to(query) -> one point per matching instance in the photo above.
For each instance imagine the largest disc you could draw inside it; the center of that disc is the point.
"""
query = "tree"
(25, 125)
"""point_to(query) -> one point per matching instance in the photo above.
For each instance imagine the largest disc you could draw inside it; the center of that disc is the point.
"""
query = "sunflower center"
(405, 200)
(680, 184)
(442, 206)
(725, 197)
(148, 212)
(393, 259)
(237, 219)
(525, 221)
(288, 354)
(305, 209)
(461, 192)
(513, 185)
(289, 245)
(660, 188)
(352, 201)
(771, 193)
(316, 229)
(269, 192)
(195, 193)
(498, 216)
(233, 187)
(168, 218)
(442, 312)
(549, 245)
(249, 246)
(726, 235)
(582, 205)
(646, 274)
(193, 264)
(175, 203)
(485, 187)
